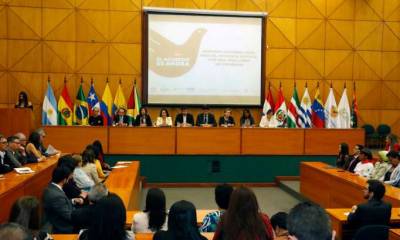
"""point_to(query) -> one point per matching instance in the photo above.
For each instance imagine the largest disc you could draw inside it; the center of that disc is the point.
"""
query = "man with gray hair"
(14, 231)
(84, 216)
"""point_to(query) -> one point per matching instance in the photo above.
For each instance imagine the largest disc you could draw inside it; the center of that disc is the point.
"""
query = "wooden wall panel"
(327, 41)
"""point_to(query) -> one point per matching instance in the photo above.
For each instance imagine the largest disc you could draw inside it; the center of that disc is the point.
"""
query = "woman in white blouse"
(268, 120)
(164, 120)
(154, 217)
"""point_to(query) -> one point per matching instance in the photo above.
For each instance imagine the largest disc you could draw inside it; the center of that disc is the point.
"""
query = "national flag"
(49, 108)
(119, 100)
(293, 110)
(331, 111)
(318, 113)
(280, 109)
(269, 101)
(354, 108)
(344, 118)
(106, 106)
(81, 108)
(305, 110)
(92, 99)
(65, 107)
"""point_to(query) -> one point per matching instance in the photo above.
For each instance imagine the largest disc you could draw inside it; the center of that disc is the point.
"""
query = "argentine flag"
(49, 109)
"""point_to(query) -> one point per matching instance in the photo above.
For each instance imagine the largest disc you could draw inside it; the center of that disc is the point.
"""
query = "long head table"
(206, 141)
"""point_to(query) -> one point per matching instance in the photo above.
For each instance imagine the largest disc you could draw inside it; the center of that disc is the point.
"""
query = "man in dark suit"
(120, 119)
(5, 165)
(13, 151)
(184, 119)
(206, 119)
(374, 211)
(58, 208)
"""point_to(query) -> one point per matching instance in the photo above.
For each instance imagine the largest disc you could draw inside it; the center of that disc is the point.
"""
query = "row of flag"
(67, 112)
(307, 114)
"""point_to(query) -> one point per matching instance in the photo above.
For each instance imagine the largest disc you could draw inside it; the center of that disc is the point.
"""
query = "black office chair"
(372, 232)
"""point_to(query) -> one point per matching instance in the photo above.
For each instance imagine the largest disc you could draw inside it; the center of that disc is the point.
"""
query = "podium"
(14, 120)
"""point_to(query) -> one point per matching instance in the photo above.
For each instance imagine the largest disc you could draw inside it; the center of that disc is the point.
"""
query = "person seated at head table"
(143, 119)
(96, 119)
(381, 167)
(33, 147)
(5, 164)
(182, 223)
(121, 119)
(82, 180)
(222, 194)
(13, 150)
(89, 165)
(108, 221)
(393, 174)
(23, 101)
(247, 120)
(99, 169)
(354, 160)
(278, 222)
(23, 141)
(375, 211)
(268, 120)
(164, 120)
(26, 212)
(154, 216)
(206, 119)
(343, 155)
(13, 231)
(70, 187)
(226, 120)
(184, 119)
(365, 166)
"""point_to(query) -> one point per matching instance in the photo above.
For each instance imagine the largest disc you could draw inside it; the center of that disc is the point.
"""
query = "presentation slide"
(200, 59)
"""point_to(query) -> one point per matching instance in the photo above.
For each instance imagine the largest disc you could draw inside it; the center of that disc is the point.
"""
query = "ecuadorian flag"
(106, 106)
(49, 109)
(65, 107)
(119, 100)
(81, 111)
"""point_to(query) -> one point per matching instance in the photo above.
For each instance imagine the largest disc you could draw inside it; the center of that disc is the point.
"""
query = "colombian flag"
(106, 106)
(318, 112)
(65, 107)
(81, 108)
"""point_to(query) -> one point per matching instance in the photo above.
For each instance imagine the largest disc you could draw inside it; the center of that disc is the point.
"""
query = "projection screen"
(196, 58)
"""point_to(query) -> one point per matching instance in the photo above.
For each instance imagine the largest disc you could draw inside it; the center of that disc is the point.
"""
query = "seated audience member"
(108, 222)
(381, 167)
(23, 141)
(70, 188)
(120, 118)
(89, 166)
(164, 120)
(99, 154)
(182, 223)
(154, 216)
(42, 148)
(365, 166)
(99, 168)
(375, 211)
(206, 119)
(13, 150)
(184, 119)
(96, 119)
(82, 180)
(307, 221)
(222, 195)
(243, 219)
(13, 231)
(57, 206)
(394, 177)
(23, 101)
(268, 120)
(226, 120)
(391, 143)
(278, 222)
(143, 119)
(247, 120)
(354, 160)
(82, 217)
(33, 147)
(26, 212)
(5, 164)
(343, 155)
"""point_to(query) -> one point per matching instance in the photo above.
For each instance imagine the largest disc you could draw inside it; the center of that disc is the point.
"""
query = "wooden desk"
(334, 188)
(14, 120)
(339, 219)
(200, 213)
(394, 234)
(14, 186)
(125, 182)
(195, 140)
(326, 141)
(136, 140)
(272, 141)
(138, 236)
(74, 139)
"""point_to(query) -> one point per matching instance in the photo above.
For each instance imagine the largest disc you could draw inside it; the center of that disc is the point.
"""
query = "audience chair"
(371, 137)
(372, 232)
(383, 130)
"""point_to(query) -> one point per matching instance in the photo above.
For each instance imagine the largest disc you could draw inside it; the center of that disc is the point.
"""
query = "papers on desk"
(119, 166)
(346, 213)
(124, 162)
(51, 150)
(24, 170)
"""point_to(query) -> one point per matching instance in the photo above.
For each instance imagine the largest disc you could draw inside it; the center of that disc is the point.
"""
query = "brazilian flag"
(81, 112)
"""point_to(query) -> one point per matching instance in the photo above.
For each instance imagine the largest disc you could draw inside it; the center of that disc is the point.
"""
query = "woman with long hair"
(164, 120)
(243, 220)
(247, 120)
(33, 147)
(154, 216)
(143, 119)
(182, 223)
(23, 101)
(391, 143)
(343, 155)
(99, 154)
